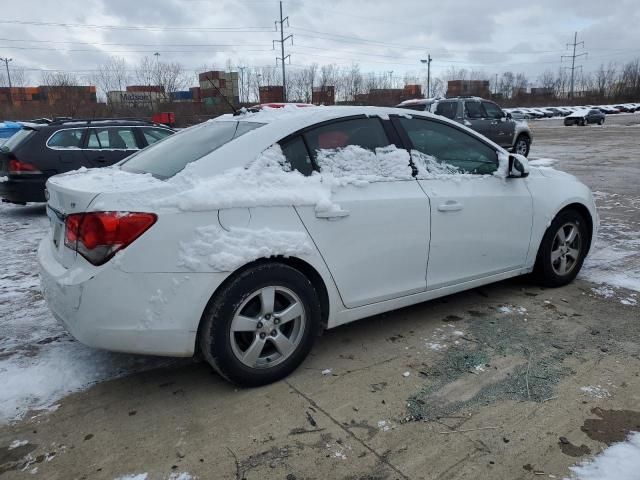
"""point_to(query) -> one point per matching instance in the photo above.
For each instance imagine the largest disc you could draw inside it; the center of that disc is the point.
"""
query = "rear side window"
(474, 110)
(113, 138)
(447, 109)
(16, 139)
(66, 139)
(295, 151)
(367, 133)
(165, 159)
(420, 107)
(152, 135)
(450, 146)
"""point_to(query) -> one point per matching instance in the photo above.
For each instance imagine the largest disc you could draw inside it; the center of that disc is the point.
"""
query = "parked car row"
(549, 112)
(38, 151)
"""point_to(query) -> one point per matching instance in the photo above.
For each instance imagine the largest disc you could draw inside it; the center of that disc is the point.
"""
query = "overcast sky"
(384, 36)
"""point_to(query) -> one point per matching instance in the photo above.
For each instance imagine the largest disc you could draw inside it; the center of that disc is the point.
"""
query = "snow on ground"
(621, 461)
(39, 362)
(615, 259)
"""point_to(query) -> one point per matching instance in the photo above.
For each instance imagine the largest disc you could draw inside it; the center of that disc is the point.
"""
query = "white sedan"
(244, 237)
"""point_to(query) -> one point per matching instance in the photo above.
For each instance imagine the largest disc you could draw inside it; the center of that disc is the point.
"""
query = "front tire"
(562, 250)
(261, 325)
(522, 145)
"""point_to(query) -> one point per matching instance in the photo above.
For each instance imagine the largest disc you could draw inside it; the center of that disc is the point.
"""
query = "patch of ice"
(542, 162)
(133, 476)
(436, 346)
(17, 443)
(406, 374)
(620, 461)
(629, 301)
(595, 391)
(603, 291)
(384, 425)
(479, 368)
(458, 333)
(225, 251)
(180, 476)
(326, 371)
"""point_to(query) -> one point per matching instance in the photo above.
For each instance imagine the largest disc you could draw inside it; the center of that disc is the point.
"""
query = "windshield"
(169, 156)
(16, 139)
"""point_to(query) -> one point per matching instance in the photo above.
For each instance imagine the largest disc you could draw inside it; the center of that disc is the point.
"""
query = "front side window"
(66, 139)
(493, 111)
(366, 133)
(474, 110)
(114, 138)
(451, 146)
(152, 135)
(165, 159)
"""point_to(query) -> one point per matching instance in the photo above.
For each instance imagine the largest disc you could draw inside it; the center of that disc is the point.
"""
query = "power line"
(136, 27)
(573, 60)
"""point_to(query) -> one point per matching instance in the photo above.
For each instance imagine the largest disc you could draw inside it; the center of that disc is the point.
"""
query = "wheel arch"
(302, 266)
(582, 210)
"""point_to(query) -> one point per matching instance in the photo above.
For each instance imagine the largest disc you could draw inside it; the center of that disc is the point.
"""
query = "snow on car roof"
(313, 114)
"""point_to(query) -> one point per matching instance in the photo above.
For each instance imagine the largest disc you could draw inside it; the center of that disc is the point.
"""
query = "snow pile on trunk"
(621, 461)
(225, 251)
(104, 180)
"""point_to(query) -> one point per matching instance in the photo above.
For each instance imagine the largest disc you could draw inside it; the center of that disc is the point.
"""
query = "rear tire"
(261, 325)
(601, 122)
(562, 250)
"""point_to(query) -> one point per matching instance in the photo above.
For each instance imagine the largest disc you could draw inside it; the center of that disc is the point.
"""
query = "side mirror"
(518, 166)
(509, 116)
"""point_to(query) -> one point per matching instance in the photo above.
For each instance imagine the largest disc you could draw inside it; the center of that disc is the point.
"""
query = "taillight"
(18, 167)
(98, 236)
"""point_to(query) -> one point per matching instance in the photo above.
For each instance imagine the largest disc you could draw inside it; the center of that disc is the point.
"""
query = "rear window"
(447, 109)
(166, 158)
(16, 139)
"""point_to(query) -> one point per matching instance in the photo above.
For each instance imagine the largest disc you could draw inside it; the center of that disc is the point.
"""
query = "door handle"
(332, 214)
(450, 206)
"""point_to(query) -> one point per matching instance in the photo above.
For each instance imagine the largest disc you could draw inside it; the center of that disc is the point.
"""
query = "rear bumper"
(22, 189)
(104, 307)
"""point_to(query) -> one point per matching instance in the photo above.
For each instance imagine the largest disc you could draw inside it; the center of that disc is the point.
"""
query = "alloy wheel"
(521, 147)
(566, 249)
(267, 327)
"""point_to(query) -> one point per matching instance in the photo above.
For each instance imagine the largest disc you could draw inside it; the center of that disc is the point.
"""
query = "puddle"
(612, 426)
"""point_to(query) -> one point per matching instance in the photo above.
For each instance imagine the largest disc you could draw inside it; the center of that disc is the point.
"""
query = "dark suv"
(37, 152)
(484, 117)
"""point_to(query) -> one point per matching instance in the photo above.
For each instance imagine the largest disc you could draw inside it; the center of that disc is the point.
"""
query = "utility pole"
(6, 64)
(428, 62)
(495, 85)
(282, 58)
(573, 60)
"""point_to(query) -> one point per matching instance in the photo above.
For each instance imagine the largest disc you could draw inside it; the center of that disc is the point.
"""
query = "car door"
(480, 223)
(64, 146)
(476, 117)
(501, 128)
(108, 145)
(376, 244)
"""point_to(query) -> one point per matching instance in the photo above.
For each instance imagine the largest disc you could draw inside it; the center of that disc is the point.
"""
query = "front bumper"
(104, 307)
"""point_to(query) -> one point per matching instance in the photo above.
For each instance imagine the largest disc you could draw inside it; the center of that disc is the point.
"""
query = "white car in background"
(246, 236)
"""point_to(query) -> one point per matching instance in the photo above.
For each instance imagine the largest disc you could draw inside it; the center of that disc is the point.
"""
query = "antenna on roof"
(235, 111)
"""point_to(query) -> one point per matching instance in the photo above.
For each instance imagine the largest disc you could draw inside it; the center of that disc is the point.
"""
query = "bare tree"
(112, 76)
